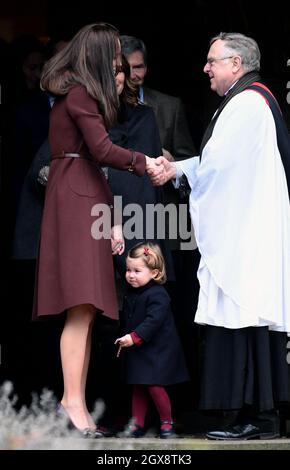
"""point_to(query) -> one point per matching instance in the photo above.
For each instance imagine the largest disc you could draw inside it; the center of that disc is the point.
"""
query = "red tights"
(160, 398)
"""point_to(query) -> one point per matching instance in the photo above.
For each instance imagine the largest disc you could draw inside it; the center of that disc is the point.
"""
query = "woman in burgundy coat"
(75, 270)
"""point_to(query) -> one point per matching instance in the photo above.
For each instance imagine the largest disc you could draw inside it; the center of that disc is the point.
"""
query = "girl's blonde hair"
(152, 257)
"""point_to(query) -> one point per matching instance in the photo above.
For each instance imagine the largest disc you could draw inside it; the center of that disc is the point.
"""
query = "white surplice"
(240, 211)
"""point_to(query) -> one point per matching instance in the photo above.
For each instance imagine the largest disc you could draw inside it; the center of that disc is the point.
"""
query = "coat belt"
(67, 155)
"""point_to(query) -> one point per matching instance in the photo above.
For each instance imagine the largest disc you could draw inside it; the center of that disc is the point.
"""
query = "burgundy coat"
(74, 268)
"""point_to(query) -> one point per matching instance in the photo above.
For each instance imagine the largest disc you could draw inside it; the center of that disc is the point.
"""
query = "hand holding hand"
(155, 170)
(162, 171)
(151, 164)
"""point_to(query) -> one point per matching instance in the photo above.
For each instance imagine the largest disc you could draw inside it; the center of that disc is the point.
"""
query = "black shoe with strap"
(168, 433)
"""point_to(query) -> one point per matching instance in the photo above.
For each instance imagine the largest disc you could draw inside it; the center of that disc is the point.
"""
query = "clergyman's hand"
(167, 172)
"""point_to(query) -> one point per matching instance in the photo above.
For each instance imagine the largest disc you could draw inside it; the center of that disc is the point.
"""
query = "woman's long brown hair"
(87, 60)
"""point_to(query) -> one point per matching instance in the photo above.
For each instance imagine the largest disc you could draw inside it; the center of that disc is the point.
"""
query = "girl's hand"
(125, 341)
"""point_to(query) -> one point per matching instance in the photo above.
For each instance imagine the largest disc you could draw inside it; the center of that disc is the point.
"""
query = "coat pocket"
(85, 178)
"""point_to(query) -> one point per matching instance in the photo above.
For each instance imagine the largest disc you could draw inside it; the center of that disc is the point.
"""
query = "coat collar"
(140, 290)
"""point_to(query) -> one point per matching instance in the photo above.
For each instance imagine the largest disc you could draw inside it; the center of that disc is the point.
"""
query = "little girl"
(153, 356)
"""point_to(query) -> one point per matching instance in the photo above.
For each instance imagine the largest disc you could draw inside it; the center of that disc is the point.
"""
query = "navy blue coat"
(159, 360)
(30, 208)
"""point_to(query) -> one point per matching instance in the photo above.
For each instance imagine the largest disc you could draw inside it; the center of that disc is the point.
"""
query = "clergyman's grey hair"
(244, 46)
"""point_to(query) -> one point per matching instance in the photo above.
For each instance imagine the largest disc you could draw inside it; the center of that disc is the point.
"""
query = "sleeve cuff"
(136, 338)
(179, 173)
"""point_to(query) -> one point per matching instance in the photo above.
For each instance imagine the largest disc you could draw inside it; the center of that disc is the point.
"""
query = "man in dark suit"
(177, 145)
(174, 133)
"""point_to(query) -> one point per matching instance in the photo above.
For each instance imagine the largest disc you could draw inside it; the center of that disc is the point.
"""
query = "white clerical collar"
(230, 87)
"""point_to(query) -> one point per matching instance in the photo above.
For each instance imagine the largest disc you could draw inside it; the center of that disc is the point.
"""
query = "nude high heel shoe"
(86, 432)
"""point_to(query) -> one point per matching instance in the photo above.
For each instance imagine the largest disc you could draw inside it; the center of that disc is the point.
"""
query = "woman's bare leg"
(75, 345)
(92, 424)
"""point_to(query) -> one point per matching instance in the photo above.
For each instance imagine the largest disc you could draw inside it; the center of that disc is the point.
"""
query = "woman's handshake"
(160, 170)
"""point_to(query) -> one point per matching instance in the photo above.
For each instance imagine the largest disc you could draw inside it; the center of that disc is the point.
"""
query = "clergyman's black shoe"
(244, 432)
